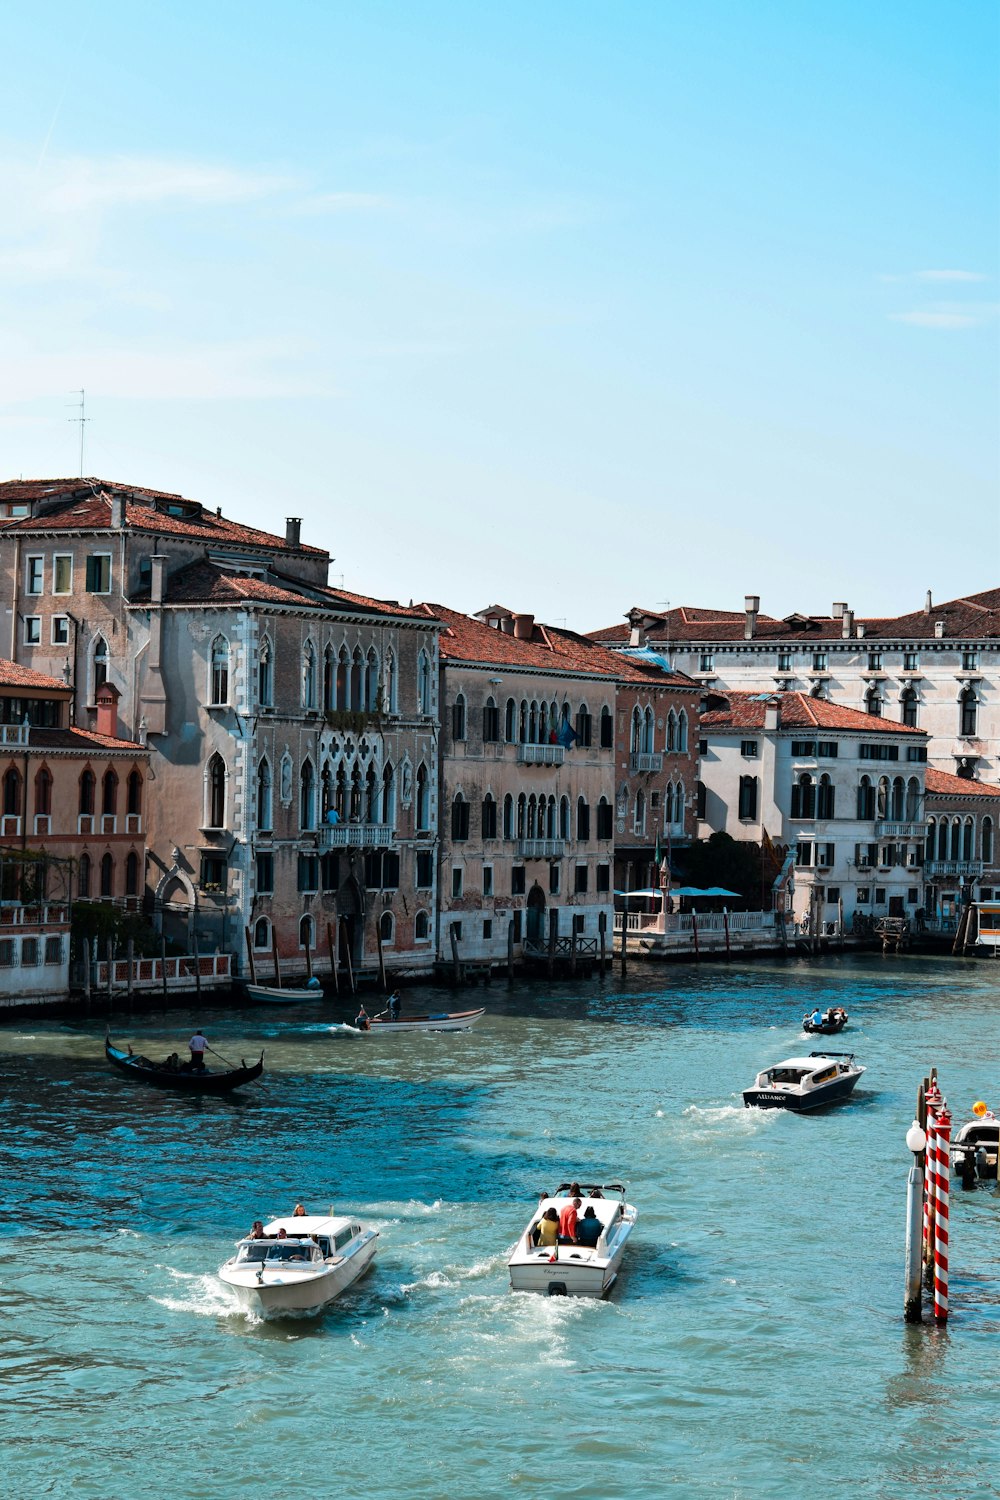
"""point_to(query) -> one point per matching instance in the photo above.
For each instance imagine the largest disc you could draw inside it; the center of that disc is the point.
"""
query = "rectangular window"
(825, 855)
(748, 749)
(99, 573)
(706, 662)
(32, 630)
(487, 929)
(879, 895)
(970, 661)
(579, 925)
(607, 731)
(308, 872)
(425, 870)
(874, 661)
(864, 895)
(784, 661)
(382, 871)
(553, 880)
(827, 749)
(60, 630)
(29, 952)
(916, 752)
(265, 874)
(878, 752)
(833, 894)
(701, 799)
(911, 661)
(487, 880)
(62, 573)
(212, 876)
(748, 797)
(804, 854)
(7, 957)
(605, 820)
(329, 872)
(34, 575)
(603, 879)
(819, 661)
(804, 749)
(580, 880)
(53, 950)
(912, 896)
(517, 880)
(456, 880)
(491, 724)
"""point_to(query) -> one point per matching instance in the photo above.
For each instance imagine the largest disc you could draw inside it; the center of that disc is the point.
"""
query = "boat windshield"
(275, 1250)
(788, 1075)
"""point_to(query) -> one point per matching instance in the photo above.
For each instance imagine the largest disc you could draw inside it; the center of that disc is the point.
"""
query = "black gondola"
(185, 1079)
(834, 1020)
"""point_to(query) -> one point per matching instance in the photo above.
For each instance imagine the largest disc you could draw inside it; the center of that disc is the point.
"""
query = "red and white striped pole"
(933, 1103)
(942, 1136)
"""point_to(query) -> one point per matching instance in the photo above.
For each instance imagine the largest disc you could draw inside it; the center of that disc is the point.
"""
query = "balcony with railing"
(355, 835)
(891, 830)
(541, 848)
(541, 755)
(645, 760)
(970, 869)
(14, 734)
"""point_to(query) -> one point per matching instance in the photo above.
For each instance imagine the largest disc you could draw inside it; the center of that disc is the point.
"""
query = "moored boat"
(172, 1074)
(575, 1269)
(263, 994)
(301, 1264)
(834, 1020)
(804, 1083)
(976, 1146)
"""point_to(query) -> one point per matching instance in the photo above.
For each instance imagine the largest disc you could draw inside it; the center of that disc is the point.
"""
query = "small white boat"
(976, 1146)
(319, 1257)
(264, 994)
(445, 1020)
(575, 1270)
(803, 1083)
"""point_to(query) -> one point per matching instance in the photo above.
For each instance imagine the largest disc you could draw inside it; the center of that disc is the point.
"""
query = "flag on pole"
(567, 734)
(658, 856)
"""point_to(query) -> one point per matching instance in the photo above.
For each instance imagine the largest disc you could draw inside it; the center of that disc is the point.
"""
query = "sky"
(568, 307)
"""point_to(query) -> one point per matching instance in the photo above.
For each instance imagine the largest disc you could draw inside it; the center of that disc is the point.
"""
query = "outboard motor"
(557, 1288)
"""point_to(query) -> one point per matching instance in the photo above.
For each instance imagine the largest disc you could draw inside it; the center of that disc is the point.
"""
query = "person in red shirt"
(567, 1222)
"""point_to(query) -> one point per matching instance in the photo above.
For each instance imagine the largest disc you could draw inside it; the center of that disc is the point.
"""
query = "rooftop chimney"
(635, 636)
(157, 576)
(859, 631)
(106, 698)
(838, 611)
(751, 603)
(523, 627)
(939, 629)
(846, 623)
(293, 530)
(928, 606)
(117, 512)
(772, 713)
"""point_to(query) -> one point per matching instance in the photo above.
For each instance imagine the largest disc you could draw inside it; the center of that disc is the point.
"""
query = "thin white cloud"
(947, 318)
(245, 370)
(73, 184)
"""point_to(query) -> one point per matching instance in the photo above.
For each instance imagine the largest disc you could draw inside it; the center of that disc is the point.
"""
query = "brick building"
(962, 860)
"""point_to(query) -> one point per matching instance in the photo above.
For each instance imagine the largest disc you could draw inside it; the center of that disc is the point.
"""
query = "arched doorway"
(350, 923)
(535, 925)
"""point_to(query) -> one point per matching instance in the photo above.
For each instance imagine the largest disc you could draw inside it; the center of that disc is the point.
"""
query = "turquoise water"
(753, 1347)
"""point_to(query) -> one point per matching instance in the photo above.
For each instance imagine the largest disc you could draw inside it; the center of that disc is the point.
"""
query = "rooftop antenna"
(664, 604)
(83, 419)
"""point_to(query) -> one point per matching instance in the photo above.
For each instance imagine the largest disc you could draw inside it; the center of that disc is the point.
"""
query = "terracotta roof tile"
(798, 711)
(205, 582)
(944, 784)
(81, 739)
(14, 675)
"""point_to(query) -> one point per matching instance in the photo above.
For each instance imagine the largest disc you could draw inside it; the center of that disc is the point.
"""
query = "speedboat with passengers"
(301, 1263)
(831, 1021)
(976, 1146)
(575, 1269)
(803, 1083)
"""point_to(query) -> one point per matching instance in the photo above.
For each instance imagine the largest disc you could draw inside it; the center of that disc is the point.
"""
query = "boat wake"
(707, 1120)
(203, 1295)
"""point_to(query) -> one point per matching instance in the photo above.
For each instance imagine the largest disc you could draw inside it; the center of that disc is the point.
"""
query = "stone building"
(291, 727)
(842, 790)
(936, 669)
(527, 784)
(962, 861)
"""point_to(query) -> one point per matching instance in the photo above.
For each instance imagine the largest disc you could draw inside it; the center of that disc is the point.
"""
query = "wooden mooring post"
(250, 958)
(110, 956)
(381, 962)
(456, 962)
(624, 948)
(550, 957)
(350, 967)
(274, 955)
(131, 969)
(333, 958)
(510, 949)
(602, 932)
(163, 965)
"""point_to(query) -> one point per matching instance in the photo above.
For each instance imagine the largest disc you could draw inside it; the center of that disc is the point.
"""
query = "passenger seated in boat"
(282, 1235)
(546, 1231)
(588, 1229)
(568, 1221)
(299, 1211)
(817, 1017)
(361, 1020)
(257, 1232)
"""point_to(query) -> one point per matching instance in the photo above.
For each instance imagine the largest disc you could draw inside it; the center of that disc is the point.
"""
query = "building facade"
(962, 861)
(288, 725)
(841, 790)
(936, 669)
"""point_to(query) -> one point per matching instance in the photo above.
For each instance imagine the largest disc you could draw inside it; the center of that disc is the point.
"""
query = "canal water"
(753, 1347)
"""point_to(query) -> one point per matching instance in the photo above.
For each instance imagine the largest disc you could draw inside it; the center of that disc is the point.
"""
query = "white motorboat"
(263, 994)
(301, 1264)
(976, 1146)
(802, 1083)
(575, 1270)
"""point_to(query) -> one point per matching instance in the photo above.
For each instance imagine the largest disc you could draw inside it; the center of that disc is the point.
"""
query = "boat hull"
(825, 1028)
(569, 1276)
(260, 994)
(142, 1070)
(459, 1020)
(832, 1093)
(287, 1292)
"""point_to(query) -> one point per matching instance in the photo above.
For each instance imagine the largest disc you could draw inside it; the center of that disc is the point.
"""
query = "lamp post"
(916, 1141)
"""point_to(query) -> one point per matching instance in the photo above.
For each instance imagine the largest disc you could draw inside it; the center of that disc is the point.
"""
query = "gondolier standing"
(197, 1046)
